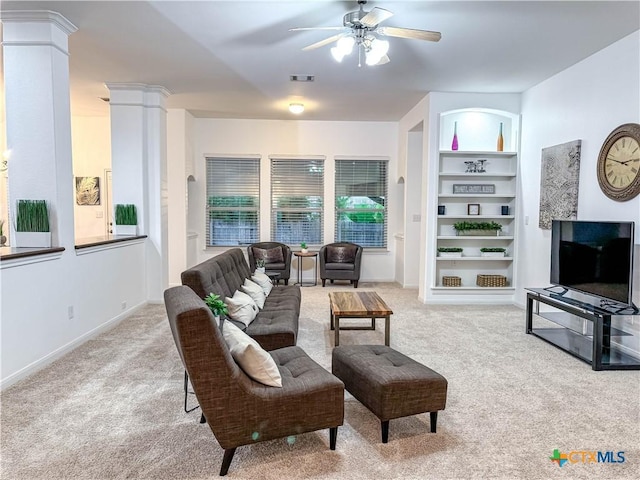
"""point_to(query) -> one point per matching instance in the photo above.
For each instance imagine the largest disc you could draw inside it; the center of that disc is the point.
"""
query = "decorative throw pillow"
(264, 281)
(241, 307)
(269, 255)
(255, 291)
(252, 358)
(341, 254)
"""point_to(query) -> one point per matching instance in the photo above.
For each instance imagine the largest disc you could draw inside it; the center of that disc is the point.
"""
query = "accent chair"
(340, 261)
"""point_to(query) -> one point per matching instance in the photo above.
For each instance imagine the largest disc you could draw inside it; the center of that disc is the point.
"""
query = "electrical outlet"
(416, 218)
(70, 311)
(124, 305)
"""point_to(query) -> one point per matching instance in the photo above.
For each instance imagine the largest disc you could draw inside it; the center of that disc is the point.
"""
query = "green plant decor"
(449, 249)
(260, 263)
(493, 249)
(126, 214)
(32, 216)
(1, 227)
(216, 305)
(477, 226)
(303, 245)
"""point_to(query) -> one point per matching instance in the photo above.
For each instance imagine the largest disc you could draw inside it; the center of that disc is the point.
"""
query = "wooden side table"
(300, 256)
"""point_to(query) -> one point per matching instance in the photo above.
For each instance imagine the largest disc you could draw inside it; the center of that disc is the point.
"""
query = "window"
(233, 201)
(297, 198)
(361, 202)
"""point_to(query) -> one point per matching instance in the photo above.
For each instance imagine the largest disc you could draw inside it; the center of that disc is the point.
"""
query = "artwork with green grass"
(126, 214)
(32, 216)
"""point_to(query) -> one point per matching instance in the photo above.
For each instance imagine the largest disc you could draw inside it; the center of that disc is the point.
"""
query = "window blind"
(361, 202)
(297, 200)
(233, 201)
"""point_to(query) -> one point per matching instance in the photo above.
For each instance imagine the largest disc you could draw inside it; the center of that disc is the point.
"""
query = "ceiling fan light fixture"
(377, 52)
(296, 108)
(337, 54)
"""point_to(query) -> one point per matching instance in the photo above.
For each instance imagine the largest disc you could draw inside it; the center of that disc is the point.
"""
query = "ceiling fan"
(361, 29)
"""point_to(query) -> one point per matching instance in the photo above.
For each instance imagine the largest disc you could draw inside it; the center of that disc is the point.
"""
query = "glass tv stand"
(605, 335)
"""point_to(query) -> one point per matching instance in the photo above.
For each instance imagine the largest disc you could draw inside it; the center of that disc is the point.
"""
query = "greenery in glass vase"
(32, 216)
(477, 226)
(216, 304)
(126, 214)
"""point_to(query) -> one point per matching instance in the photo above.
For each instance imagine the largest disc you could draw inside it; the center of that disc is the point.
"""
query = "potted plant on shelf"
(449, 252)
(32, 224)
(3, 238)
(260, 265)
(493, 252)
(477, 228)
(303, 247)
(126, 220)
(216, 305)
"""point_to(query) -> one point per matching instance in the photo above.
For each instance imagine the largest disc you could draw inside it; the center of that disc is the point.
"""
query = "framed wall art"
(88, 190)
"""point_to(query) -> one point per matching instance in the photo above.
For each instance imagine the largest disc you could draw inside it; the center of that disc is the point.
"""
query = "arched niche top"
(400, 180)
(477, 129)
(191, 178)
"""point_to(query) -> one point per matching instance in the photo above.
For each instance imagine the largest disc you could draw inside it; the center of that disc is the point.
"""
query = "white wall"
(101, 287)
(586, 101)
(91, 150)
(268, 137)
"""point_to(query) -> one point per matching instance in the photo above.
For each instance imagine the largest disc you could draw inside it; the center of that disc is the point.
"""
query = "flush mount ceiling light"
(296, 108)
(361, 29)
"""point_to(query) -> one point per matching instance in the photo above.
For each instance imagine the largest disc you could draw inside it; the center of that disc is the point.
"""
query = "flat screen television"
(595, 258)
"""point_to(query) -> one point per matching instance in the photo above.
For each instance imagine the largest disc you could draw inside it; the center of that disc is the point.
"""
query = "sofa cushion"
(264, 281)
(270, 255)
(251, 357)
(242, 307)
(340, 266)
(341, 254)
(255, 291)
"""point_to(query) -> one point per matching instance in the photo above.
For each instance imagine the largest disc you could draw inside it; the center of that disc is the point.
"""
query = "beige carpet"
(113, 407)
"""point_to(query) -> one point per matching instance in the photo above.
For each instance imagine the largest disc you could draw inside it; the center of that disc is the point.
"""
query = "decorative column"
(139, 169)
(38, 115)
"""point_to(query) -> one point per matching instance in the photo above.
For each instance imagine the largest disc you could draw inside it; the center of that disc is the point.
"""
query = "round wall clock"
(619, 163)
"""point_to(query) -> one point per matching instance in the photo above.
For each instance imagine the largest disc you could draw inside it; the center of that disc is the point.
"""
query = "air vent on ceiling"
(302, 78)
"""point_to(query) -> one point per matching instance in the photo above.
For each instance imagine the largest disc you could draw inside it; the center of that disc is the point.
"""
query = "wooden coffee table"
(358, 305)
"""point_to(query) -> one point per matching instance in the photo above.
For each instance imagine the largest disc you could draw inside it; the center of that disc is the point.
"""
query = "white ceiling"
(232, 59)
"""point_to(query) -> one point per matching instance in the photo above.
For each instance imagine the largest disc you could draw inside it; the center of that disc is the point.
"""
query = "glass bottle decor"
(454, 143)
(500, 145)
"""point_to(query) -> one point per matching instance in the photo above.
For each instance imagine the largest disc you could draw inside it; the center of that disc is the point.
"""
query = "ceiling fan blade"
(324, 42)
(299, 29)
(410, 33)
(375, 16)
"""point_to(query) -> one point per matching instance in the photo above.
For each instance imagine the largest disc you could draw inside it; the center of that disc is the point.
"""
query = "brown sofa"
(276, 325)
(239, 410)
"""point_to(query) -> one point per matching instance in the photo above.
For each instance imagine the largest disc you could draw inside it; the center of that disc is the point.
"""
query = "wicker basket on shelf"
(491, 281)
(451, 281)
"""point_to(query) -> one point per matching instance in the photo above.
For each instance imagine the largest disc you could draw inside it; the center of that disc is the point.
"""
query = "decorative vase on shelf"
(454, 143)
(500, 146)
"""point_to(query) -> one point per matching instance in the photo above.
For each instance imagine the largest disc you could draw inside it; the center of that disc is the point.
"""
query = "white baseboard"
(63, 350)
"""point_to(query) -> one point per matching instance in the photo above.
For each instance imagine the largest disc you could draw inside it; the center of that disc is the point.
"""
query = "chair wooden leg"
(434, 420)
(384, 424)
(226, 461)
(202, 419)
(323, 281)
(355, 284)
(333, 436)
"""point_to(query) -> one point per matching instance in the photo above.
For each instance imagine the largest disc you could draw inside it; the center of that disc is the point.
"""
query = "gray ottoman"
(389, 383)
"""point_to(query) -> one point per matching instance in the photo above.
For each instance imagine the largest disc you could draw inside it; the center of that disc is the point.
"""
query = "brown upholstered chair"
(239, 410)
(340, 261)
(276, 256)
